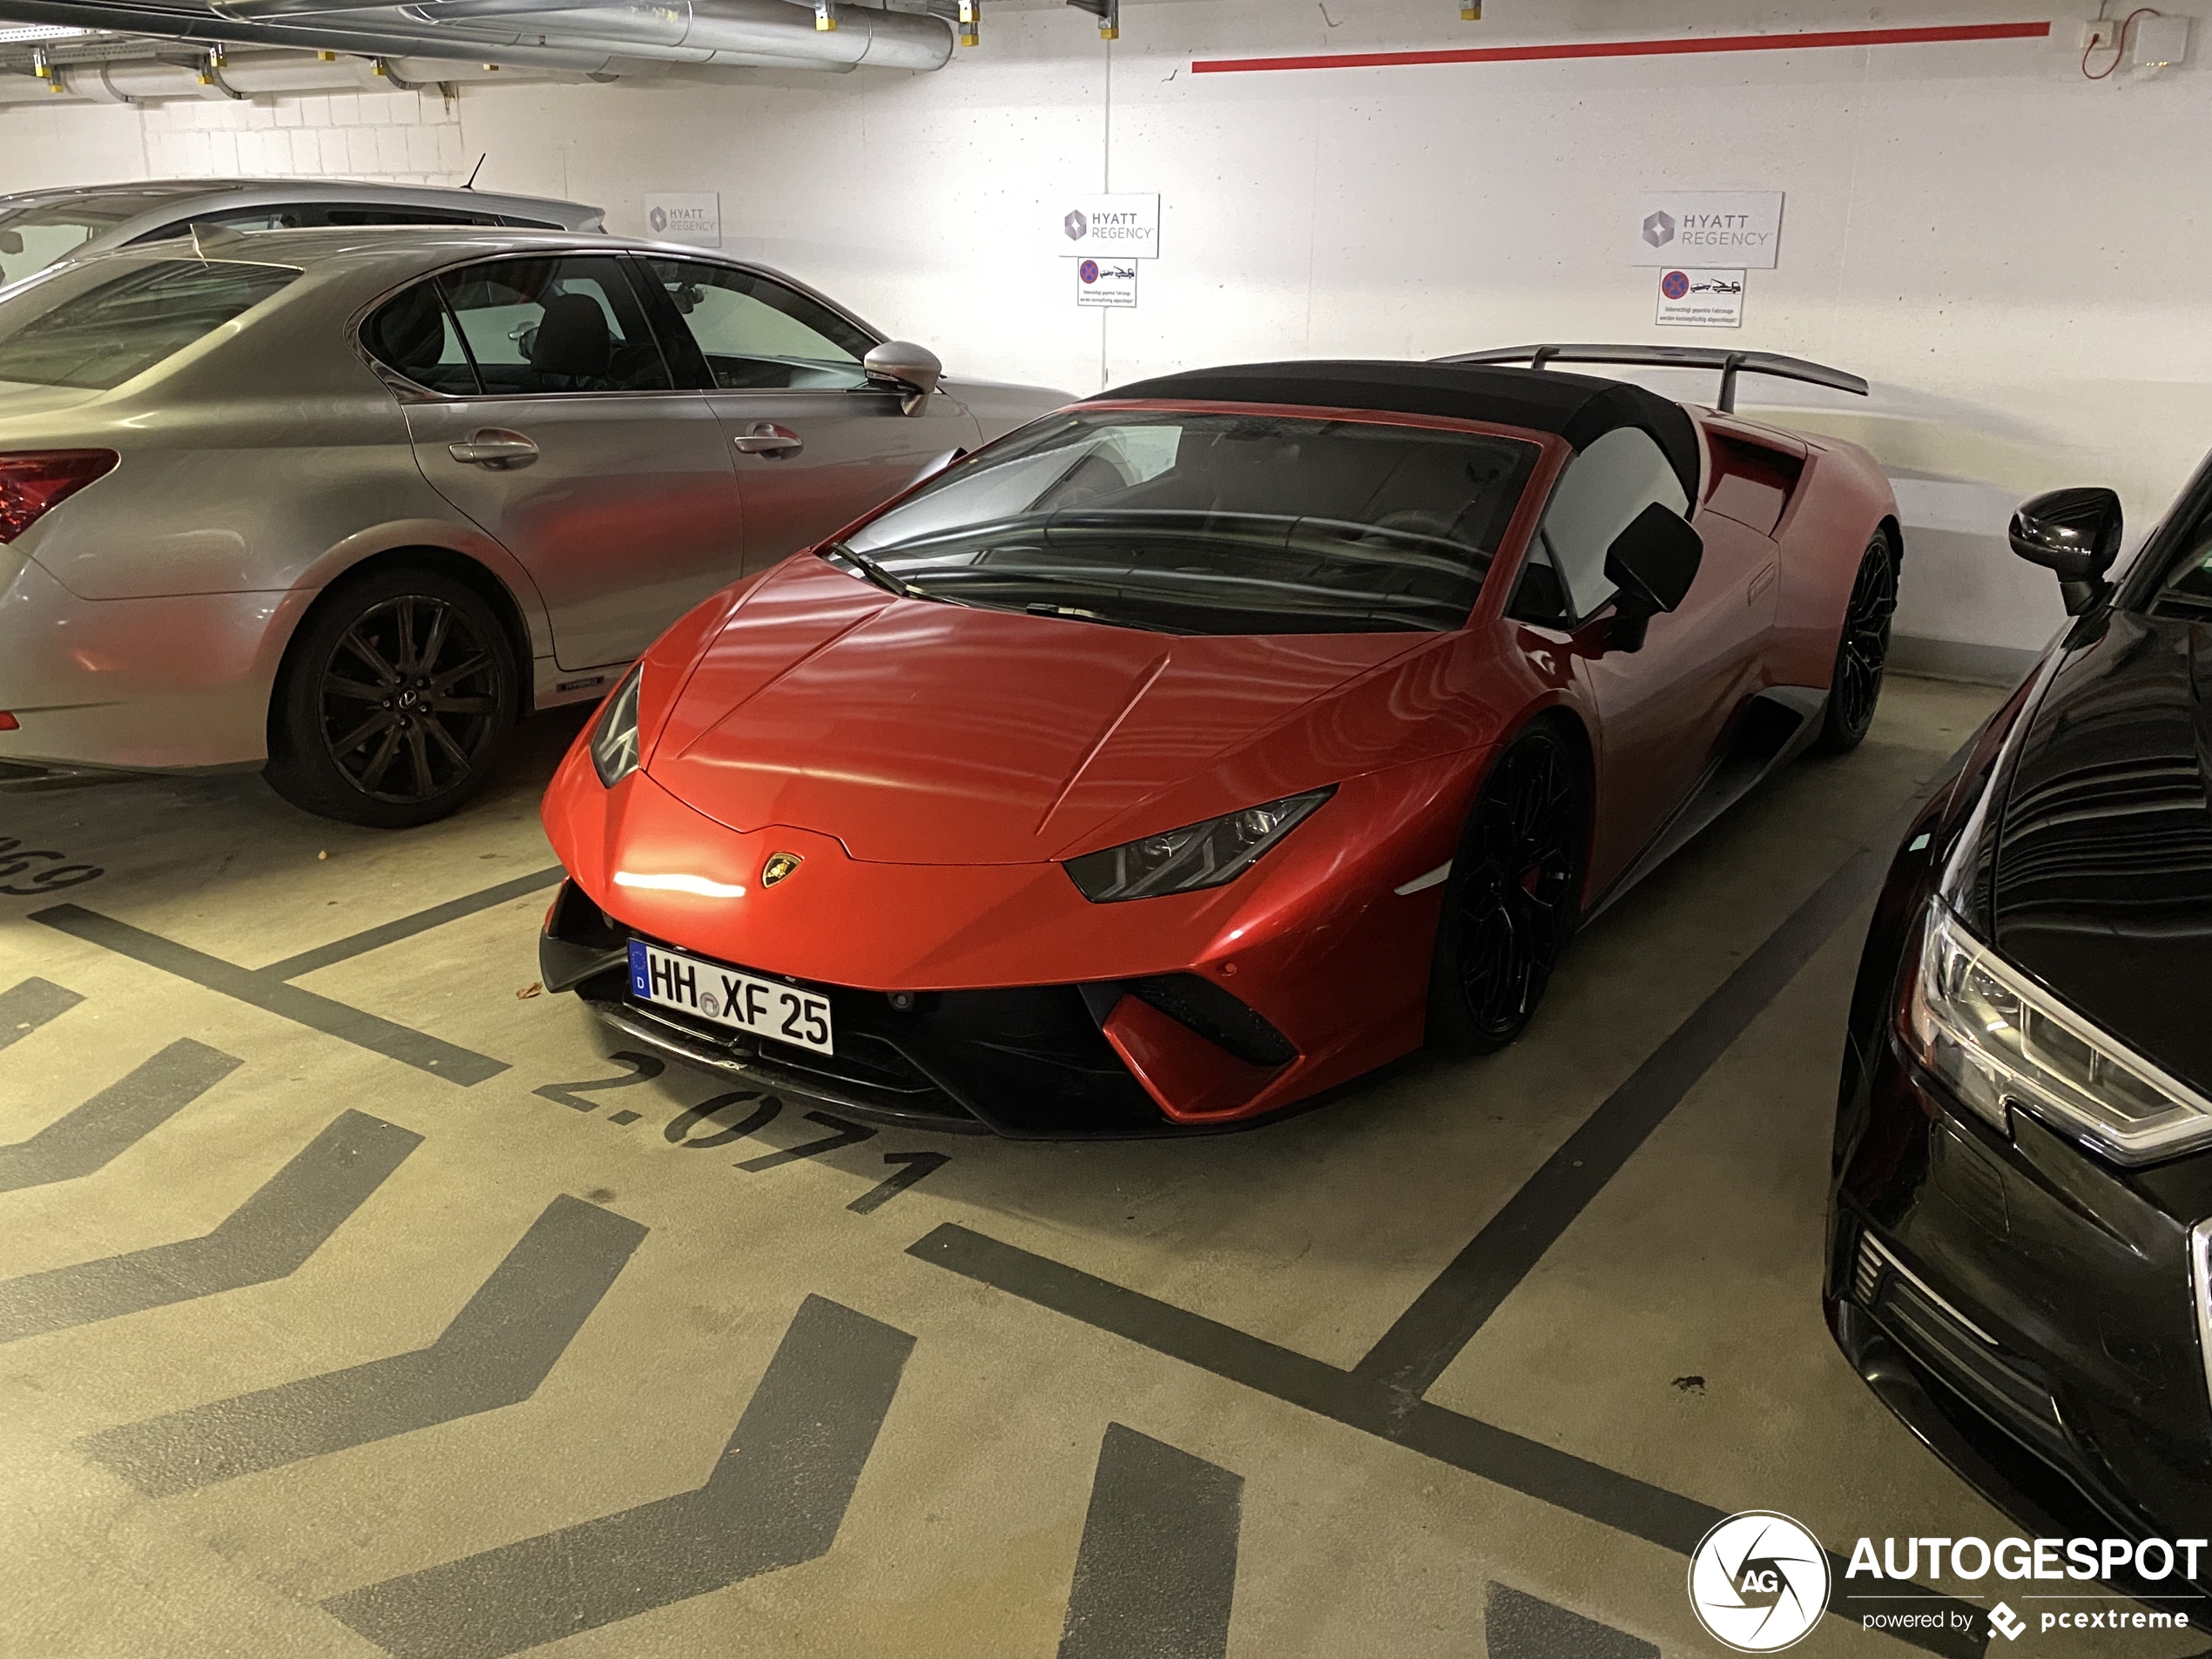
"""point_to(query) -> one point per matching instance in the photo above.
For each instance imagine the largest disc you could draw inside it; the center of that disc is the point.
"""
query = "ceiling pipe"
(210, 29)
(274, 11)
(705, 32)
(255, 74)
(721, 33)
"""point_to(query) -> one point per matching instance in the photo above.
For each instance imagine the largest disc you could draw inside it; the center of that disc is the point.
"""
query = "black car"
(2020, 1227)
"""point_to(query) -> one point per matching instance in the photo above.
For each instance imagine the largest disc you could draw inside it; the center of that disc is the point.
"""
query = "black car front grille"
(1960, 1353)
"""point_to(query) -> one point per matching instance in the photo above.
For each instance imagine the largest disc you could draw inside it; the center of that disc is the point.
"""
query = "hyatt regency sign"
(1740, 229)
(1107, 227)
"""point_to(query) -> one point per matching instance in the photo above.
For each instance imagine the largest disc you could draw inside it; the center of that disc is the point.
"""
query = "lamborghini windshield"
(1209, 524)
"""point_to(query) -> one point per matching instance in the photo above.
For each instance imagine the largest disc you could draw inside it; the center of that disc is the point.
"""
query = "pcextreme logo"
(1758, 1582)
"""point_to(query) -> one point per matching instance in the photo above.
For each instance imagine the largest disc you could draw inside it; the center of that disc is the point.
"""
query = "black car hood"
(2103, 881)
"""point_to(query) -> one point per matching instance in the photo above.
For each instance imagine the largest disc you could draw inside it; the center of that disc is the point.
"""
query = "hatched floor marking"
(266, 1238)
(776, 1498)
(1157, 1572)
(495, 1352)
(92, 1136)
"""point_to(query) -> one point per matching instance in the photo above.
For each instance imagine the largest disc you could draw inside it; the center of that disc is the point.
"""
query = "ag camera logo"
(1758, 1582)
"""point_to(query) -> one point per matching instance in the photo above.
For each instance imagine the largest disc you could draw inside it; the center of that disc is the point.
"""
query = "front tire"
(1861, 651)
(1513, 897)
(395, 701)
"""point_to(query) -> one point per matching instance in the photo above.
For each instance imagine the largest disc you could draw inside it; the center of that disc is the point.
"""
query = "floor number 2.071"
(732, 1117)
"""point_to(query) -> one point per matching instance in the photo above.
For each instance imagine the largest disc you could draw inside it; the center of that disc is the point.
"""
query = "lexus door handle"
(766, 438)
(494, 447)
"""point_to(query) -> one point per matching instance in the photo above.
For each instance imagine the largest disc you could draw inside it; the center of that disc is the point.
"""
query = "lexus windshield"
(1209, 524)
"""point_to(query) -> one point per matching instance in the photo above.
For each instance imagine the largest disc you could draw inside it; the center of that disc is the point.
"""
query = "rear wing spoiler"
(1729, 363)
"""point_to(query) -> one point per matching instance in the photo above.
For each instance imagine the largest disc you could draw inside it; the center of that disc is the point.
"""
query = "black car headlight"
(2001, 1041)
(614, 739)
(1198, 855)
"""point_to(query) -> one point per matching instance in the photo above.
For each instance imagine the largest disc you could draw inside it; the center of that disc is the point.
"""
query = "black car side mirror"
(1653, 563)
(2075, 533)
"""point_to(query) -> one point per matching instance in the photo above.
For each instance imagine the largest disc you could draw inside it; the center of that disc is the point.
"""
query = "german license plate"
(763, 1008)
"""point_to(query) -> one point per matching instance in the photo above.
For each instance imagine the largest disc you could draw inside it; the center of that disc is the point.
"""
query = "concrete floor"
(491, 1361)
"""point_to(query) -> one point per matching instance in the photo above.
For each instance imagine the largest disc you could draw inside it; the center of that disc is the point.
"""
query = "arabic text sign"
(1106, 282)
(1701, 299)
(1683, 227)
(1103, 227)
(696, 219)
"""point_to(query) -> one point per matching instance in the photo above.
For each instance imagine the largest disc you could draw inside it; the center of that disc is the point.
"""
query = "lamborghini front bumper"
(1027, 1062)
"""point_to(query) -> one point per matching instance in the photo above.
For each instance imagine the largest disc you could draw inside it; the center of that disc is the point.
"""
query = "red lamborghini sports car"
(1214, 740)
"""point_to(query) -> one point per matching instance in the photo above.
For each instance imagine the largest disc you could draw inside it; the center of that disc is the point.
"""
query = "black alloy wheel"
(1513, 897)
(394, 700)
(1863, 652)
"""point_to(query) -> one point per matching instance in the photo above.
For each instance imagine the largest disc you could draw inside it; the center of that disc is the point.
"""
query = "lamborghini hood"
(918, 733)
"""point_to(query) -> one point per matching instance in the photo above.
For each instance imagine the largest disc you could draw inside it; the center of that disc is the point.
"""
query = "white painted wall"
(2012, 255)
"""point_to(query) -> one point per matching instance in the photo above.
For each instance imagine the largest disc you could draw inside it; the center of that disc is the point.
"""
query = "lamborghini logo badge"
(778, 866)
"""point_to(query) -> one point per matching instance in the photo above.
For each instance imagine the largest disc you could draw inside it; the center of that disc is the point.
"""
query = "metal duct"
(725, 33)
(207, 29)
(247, 74)
(701, 31)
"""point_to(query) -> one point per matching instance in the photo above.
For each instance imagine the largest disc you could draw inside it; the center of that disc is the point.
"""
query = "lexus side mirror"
(901, 365)
(1653, 563)
(2074, 533)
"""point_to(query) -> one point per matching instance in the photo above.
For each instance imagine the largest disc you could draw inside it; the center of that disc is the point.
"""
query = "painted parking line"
(776, 1498)
(1517, 1626)
(1423, 1341)
(26, 1006)
(266, 1238)
(495, 1352)
(1157, 1572)
(263, 989)
(93, 1135)
(421, 921)
(1545, 1472)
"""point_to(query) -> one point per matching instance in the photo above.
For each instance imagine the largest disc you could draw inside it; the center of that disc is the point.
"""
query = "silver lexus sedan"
(41, 227)
(341, 505)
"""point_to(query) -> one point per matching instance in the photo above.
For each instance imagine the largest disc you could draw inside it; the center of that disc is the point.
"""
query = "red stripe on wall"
(1801, 42)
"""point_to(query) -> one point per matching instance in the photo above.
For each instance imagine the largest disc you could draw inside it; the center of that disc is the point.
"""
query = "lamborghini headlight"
(614, 739)
(2001, 1041)
(1199, 855)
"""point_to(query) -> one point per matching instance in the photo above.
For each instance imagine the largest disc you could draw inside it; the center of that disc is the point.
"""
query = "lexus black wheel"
(395, 699)
(1514, 896)
(1863, 652)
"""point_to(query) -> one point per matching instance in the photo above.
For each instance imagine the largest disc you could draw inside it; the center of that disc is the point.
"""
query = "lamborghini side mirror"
(2074, 533)
(901, 365)
(1652, 562)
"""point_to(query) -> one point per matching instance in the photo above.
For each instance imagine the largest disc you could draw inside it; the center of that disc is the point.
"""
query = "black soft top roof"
(1579, 407)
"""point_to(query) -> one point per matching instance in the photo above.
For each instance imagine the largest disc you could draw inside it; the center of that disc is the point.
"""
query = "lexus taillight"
(32, 483)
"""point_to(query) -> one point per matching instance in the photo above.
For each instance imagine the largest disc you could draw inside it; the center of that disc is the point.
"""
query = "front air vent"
(1216, 1015)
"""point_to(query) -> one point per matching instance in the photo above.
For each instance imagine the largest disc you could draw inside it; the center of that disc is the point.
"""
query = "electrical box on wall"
(2161, 42)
